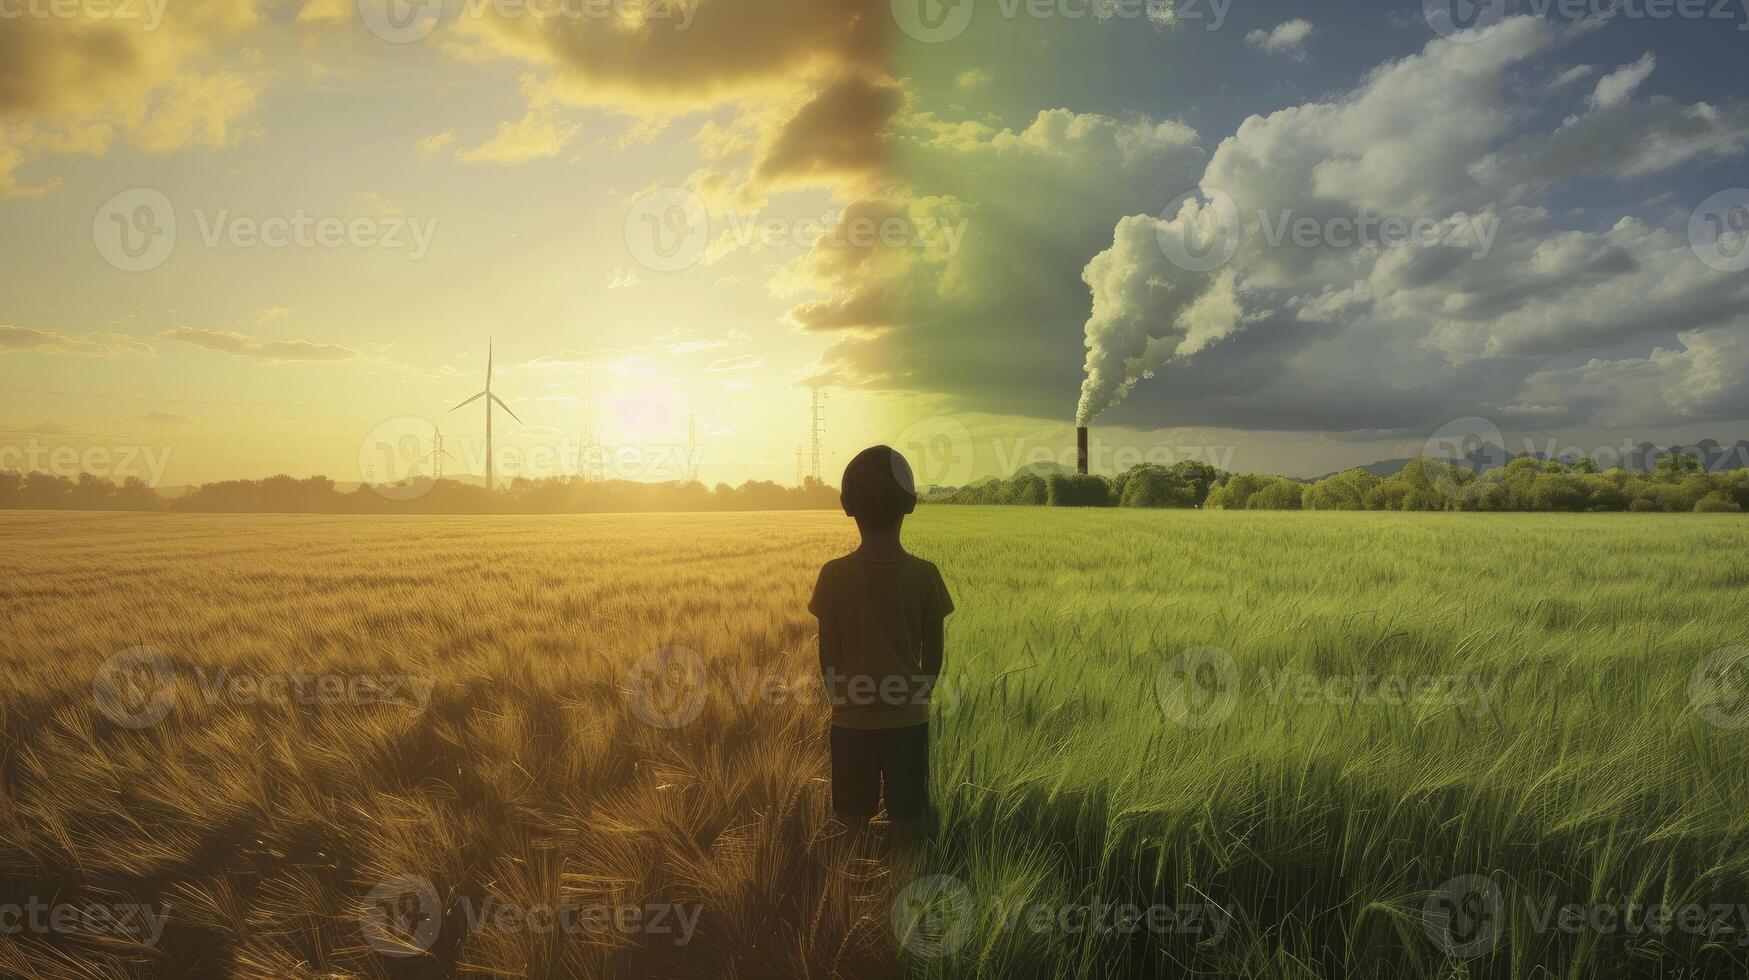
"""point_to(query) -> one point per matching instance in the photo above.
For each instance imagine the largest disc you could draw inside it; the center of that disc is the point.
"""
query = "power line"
(179, 401)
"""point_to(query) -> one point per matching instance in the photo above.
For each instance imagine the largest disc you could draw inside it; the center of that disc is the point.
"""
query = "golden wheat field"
(259, 823)
(284, 746)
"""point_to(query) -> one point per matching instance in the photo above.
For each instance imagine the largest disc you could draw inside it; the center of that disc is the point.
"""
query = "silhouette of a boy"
(881, 613)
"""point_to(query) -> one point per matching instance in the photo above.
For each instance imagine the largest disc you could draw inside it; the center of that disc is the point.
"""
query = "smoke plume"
(1149, 309)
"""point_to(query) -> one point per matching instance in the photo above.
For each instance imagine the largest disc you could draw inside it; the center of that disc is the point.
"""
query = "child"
(881, 611)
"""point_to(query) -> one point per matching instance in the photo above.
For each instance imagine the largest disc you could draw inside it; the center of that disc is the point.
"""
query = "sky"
(246, 238)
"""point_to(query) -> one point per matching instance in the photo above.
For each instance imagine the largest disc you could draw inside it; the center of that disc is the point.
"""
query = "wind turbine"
(490, 398)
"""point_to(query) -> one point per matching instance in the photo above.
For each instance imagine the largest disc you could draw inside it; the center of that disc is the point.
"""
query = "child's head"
(878, 489)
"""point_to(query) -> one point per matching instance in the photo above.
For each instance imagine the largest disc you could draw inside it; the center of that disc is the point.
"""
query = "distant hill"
(1041, 468)
(1045, 467)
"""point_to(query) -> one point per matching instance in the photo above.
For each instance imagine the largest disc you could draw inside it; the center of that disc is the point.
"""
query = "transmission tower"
(437, 454)
(816, 432)
(800, 452)
(590, 462)
(692, 447)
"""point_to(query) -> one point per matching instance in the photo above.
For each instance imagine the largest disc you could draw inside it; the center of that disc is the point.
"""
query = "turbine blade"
(473, 399)
(505, 407)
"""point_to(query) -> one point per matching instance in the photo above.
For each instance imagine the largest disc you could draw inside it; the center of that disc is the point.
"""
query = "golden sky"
(264, 236)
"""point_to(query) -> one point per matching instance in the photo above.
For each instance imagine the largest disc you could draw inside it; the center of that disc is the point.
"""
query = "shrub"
(1024, 488)
(1717, 502)
(1154, 486)
(1346, 490)
(1269, 492)
(1077, 490)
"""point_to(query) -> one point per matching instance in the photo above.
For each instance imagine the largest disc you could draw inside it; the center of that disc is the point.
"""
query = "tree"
(1674, 466)
(1423, 484)
(1255, 491)
(1155, 486)
(1078, 490)
(1199, 476)
(1559, 492)
(1717, 502)
(1346, 490)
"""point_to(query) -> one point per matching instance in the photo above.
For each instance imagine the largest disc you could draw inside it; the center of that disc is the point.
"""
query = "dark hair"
(878, 488)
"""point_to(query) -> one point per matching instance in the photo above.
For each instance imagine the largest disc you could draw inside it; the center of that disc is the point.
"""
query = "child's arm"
(831, 646)
(934, 642)
(831, 649)
(936, 607)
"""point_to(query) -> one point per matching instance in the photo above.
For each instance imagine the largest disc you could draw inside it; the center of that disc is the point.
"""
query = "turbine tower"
(490, 398)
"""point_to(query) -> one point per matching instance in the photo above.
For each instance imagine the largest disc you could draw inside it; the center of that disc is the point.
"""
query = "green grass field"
(1266, 744)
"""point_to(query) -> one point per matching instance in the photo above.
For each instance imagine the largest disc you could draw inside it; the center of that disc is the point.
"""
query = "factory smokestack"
(1081, 449)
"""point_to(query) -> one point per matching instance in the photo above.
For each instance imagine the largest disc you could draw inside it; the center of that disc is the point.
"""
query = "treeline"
(320, 495)
(1677, 484)
(41, 491)
(1185, 484)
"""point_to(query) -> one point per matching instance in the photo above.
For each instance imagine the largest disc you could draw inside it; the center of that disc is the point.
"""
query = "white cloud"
(1618, 86)
(1571, 75)
(539, 133)
(741, 362)
(105, 345)
(1288, 37)
(1355, 337)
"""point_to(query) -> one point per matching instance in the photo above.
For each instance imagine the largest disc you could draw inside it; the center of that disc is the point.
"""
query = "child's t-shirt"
(879, 608)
